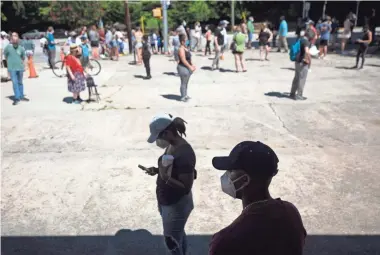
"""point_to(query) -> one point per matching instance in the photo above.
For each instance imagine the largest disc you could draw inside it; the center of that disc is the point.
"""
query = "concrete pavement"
(70, 182)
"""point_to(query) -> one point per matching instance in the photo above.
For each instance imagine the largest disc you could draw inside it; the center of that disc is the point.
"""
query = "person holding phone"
(175, 176)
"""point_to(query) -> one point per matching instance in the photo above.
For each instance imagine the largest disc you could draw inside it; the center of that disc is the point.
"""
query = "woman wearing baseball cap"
(266, 225)
(176, 173)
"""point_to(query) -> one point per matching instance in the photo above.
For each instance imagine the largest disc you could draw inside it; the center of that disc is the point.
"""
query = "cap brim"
(152, 138)
(223, 163)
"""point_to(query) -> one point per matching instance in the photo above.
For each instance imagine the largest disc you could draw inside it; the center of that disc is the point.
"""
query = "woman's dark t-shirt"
(184, 162)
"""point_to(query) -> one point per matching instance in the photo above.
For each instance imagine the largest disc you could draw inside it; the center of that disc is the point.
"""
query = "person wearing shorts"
(324, 31)
(85, 53)
(346, 34)
(265, 36)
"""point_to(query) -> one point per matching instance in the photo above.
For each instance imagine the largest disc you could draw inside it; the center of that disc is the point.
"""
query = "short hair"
(50, 28)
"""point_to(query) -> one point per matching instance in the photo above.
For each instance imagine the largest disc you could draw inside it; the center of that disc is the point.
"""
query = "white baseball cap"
(3, 33)
(158, 124)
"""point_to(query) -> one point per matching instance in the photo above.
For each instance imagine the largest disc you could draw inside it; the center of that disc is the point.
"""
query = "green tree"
(73, 13)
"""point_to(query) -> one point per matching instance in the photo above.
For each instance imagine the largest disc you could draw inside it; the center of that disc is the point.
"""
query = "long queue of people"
(266, 225)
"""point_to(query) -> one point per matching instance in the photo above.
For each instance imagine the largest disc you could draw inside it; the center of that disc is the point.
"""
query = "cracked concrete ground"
(70, 182)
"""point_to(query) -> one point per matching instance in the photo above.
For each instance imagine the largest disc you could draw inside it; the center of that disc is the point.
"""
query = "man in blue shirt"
(283, 33)
(324, 30)
(51, 47)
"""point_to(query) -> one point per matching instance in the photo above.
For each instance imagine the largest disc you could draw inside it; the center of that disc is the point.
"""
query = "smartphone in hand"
(151, 170)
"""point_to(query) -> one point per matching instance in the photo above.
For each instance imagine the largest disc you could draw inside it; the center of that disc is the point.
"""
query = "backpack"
(295, 50)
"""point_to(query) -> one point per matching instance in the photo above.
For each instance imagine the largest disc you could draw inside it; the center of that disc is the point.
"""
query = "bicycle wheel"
(94, 67)
(59, 69)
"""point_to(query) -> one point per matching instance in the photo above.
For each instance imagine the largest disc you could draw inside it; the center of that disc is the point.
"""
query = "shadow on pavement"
(12, 98)
(68, 100)
(139, 76)
(142, 242)
(170, 73)
(346, 67)
(252, 59)
(132, 63)
(278, 94)
(172, 97)
(207, 68)
(374, 65)
(223, 70)
(288, 68)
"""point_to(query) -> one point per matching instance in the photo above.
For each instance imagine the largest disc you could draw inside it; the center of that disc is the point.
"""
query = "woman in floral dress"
(76, 80)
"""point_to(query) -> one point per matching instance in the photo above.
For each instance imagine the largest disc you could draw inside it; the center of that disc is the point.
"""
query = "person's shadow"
(172, 97)
(170, 73)
(278, 94)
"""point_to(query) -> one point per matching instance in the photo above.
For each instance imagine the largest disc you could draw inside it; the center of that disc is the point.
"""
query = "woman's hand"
(193, 68)
(73, 78)
(152, 171)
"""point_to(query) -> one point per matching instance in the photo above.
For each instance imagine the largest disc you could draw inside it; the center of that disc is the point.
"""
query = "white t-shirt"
(225, 36)
(119, 35)
(347, 26)
(43, 41)
(197, 32)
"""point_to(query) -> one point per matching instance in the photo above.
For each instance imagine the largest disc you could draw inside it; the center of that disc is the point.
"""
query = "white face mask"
(228, 185)
(163, 144)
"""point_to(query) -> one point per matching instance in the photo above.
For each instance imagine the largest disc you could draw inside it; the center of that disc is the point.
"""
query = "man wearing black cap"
(266, 225)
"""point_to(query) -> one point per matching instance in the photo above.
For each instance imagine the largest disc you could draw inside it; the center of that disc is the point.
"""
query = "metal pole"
(165, 17)
(357, 12)
(324, 10)
(232, 13)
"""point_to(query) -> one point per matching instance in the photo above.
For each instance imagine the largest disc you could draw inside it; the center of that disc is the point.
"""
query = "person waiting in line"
(251, 30)
(218, 44)
(283, 33)
(346, 34)
(51, 47)
(176, 173)
(76, 80)
(363, 46)
(238, 49)
(197, 44)
(266, 225)
(84, 53)
(138, 47)
(302, 64)
(94, 38)
(324, 30)
(265, 36)
(208, 40)
(153, 42)
(176, 45)
(146, 56)
(115, 46)
(185, 68)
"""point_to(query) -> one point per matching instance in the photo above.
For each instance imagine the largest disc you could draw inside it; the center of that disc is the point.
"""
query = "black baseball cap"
(255, 158)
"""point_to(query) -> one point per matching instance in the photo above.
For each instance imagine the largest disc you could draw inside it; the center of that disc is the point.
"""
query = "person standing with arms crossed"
(15, 56)
(363, 46)
(185, 67)
(146, 56)
(175, 176)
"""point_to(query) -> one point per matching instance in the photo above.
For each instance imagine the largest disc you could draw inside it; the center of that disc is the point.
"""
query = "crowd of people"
(266, 225)
(108, 42)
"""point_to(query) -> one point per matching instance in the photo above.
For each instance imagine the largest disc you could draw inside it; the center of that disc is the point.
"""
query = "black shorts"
(264, 44)
(94, 43)
(323, 42)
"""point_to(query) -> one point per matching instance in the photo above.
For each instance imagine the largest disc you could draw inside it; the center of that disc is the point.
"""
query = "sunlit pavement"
(70, 182)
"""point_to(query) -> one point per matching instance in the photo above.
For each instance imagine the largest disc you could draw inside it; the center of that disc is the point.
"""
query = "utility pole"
(324, 10)
(128, 23)
(232, 13)
(165, 5)
(357, 12)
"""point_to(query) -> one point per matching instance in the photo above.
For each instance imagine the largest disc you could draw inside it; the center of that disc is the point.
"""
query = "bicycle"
(93, 68)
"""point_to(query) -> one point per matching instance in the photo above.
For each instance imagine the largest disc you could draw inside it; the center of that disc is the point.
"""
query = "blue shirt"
(283, 31)
(50, 39)
(324, 29)
(85, 50)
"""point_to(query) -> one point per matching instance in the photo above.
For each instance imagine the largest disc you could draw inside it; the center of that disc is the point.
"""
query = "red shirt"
(74, 64)
(271, 228)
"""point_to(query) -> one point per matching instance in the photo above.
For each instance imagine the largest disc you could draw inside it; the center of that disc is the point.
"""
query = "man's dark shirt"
(270, 228)
(219, 36)
(304, 43)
